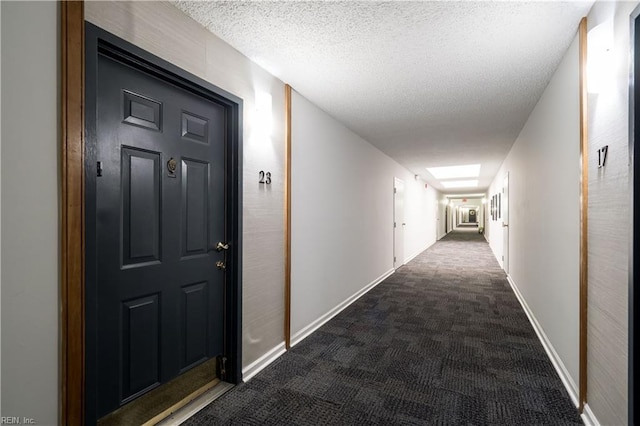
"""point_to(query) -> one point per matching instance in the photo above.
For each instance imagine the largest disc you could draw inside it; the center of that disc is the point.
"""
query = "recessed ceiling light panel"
(455, 172)
(460, 184)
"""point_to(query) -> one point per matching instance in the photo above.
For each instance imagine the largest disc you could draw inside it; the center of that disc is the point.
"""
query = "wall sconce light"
(263, 120)
(600, 63)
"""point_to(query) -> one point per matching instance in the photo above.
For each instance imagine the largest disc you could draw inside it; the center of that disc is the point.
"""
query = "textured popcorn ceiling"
(429, 83)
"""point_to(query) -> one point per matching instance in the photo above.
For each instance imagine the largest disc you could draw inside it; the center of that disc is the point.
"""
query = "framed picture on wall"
(499, 205)
(491, 209)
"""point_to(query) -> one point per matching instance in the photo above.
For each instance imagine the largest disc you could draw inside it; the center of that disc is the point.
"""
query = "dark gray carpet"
(443, 341)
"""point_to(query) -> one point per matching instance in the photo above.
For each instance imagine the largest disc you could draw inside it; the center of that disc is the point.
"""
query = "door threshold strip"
(184, 413)
(160, 402)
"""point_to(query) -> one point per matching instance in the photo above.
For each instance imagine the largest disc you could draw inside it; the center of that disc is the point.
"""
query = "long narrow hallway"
(442, 341)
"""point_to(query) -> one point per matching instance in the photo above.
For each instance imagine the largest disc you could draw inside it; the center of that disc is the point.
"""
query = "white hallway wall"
(543, 167)
(342, 215)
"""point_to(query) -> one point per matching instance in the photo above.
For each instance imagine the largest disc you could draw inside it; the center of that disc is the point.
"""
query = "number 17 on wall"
(602, 156)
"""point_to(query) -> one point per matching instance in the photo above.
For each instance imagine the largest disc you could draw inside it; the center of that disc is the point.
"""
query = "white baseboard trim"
(302, 334)
(562, 371)
(258, 365)
(588, 417)
(413, 256)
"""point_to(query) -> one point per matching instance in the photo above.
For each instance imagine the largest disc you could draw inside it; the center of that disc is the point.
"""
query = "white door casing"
(505, 223)
(398, 223)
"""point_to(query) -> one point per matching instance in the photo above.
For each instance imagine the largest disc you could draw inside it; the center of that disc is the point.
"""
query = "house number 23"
(265, 177)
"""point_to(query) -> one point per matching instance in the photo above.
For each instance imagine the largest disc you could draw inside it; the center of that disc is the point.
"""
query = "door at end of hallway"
(398, 223)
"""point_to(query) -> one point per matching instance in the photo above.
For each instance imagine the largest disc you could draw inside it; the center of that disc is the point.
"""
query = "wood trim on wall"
(287, 218)
(72, 215)
(634, 200)
(584, 203)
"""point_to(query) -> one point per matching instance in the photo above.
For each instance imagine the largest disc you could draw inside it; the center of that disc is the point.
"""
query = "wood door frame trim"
(72, 329)
(287, 217)
(584, 212)
(634, 181)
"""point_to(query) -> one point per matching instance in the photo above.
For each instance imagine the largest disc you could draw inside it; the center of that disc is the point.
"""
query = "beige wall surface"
(29, 170)
(609, 214)
(0, 208)
(165, 31)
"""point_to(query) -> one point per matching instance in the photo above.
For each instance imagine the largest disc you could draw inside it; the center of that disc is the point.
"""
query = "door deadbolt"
(221, 265)
(222, 246)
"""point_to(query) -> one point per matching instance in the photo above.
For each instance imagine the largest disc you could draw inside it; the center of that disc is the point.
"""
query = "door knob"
(221, 265)
(222, 246)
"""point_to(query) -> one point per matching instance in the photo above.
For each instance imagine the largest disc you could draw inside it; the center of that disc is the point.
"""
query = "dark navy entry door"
(160, 214)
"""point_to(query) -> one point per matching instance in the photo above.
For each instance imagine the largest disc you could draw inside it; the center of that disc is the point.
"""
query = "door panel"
(195, 128)
(195, 317)
(195, 200)
(141, 111)
(141, 206)
(160, 210)
(140, 351)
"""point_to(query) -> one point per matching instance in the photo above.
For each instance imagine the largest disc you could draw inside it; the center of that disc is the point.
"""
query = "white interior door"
(439, 220)
(505, 223)
(398, 223)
